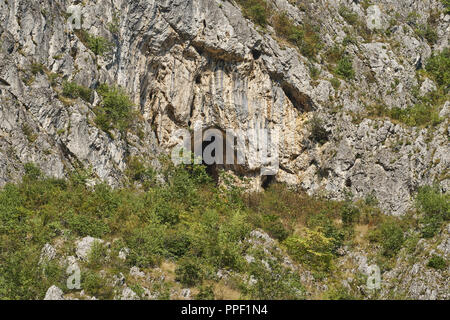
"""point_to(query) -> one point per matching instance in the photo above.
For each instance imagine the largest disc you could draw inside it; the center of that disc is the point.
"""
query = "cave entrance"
(218, 151)
(267, 181)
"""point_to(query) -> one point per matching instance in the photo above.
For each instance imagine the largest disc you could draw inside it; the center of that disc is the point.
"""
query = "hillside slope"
(359, 91)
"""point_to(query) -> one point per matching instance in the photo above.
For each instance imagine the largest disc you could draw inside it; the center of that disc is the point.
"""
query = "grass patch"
(74, 91)
(98, 45)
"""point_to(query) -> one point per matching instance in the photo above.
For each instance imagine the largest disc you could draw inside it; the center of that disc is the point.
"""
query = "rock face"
(189, 63)
(84, 247)
(54, 293)
(48, 253)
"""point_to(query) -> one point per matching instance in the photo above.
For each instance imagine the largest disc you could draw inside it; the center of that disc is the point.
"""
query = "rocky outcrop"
(84, 247)
(191, 63)
(54, 293)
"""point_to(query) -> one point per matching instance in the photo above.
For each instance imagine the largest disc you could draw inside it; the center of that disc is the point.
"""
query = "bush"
(439, 67)
(446, 4)
(428, 33)
(324, 222)
(73, 91)
(177, 243)
(417, 115)
(335, 83)
(273, 225)
(421, 114)
(349, 213)
(146, 245)
(37, 68)
(205, 293)
(435, 208)
(318, 131)
(277, 284)
(345, 68)
(338, 292)
(95, 285)
(313, 249)
(392, 238)
(98, 45)
(85, 225)
(256, 10)
(115, 111)
(189, 272)
(349, 16)
(437, 262)
(305, 37)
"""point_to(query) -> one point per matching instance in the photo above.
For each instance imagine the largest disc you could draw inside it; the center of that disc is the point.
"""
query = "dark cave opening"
(267, 181)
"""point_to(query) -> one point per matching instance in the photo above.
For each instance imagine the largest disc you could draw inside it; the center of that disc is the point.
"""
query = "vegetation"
(256, 10)
(305, 37)
(439, 68)
(37, 68)
(73, 91)
(428, 33)
(349, 16)
(446, 4)
(189, 221)
(435, 209)
(421, 114)
(98, 45)
(344, 68)
(318, 131)
(437, 262)
(116, 109)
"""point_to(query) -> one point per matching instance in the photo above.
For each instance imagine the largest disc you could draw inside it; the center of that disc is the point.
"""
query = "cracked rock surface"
(188, 61)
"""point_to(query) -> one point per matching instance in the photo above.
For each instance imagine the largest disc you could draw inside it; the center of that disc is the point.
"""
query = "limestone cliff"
(184, 61)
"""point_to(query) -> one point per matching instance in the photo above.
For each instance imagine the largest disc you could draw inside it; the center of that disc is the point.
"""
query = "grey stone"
(54, 293)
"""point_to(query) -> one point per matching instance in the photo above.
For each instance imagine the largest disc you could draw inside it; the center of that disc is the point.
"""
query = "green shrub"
(98, 45)
(256, 10)
(97, 255)
(273, 225)
(392, 238)
(335, 83)
(349, 16)
(446, 4)
(349, 213)
(37, 68)
(439, 67)
(435, 208)
(146, 245)
(313, 249)
(138, 171)
(277, 284)
(96, 285)
(205, 293)
(324, 222)
(116, 109)
(29, 133)
(32, 172)
(420, 115)
(344, 68)
(189, 272)
(305, 37)
(177, 243)
(428, 33)
(318, 131)
(437, 262)
(73, 91)
(338, 292)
